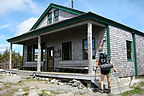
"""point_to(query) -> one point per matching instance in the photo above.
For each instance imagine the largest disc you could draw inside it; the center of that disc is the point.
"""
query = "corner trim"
(108, 41)
(135, 55)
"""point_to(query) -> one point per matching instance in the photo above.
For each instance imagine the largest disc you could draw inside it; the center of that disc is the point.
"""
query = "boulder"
(20, 90)
(19, 93)
(10, 79)
(32, 87)
(81, 86)
(35, 93)
(52, 81)
(1, 85)
(76, 84)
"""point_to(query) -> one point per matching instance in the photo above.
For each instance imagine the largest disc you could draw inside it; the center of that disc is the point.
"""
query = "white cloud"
(7, 6)
(26, 25)
(4, 26)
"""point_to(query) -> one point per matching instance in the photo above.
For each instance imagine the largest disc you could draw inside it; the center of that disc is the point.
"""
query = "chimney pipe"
(72, 3)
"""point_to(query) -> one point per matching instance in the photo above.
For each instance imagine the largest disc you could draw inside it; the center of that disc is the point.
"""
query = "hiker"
(103, 60)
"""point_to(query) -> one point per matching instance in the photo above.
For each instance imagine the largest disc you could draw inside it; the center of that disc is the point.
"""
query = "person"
(102, 60)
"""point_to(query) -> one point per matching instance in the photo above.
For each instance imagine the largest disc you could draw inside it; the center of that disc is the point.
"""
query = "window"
(66, 51)
(35, 53)
(56, 15)
(85, 49)
(43, 54)
(50, 18)
(129, 50)
(29, 53)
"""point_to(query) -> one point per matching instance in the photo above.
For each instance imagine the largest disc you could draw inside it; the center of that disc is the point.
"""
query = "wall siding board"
(118, 39)
(63, 15)
(140, 53)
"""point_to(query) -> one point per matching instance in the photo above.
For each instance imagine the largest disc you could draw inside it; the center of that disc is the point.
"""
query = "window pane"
(85, 44)
(93, 44)
(35, 54)
(50, 18)
(66, 51)
(129, 50)
(43, 57)
(129, 55)
(56, 19)
(85, 48)
(50, 15)
(129, 45)
(29, 55)
(56, 13)
(50, 21)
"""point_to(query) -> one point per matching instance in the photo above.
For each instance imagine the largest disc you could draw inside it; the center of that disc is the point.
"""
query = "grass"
(137, 90)
(48, 93)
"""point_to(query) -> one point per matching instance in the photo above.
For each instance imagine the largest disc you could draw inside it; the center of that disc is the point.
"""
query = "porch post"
(39, 54)
(10, 57)
(89, 39)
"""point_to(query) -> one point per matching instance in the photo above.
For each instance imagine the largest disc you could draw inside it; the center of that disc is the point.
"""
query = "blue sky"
(18, 16)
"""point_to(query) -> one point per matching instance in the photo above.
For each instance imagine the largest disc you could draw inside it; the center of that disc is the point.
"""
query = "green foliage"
(16, 58)
(137, 90)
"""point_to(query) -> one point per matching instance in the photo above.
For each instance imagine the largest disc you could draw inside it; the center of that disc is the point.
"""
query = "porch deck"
(60, 75)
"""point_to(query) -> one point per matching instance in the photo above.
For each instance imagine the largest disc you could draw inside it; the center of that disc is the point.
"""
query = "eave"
(86, 16)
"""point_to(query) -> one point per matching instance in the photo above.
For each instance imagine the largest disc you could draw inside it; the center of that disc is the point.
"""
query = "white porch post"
(39, 54)
(10, 57)
(89, 39)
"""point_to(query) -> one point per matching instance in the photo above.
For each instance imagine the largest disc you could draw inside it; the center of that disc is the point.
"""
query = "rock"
(73, 81)
(1, 85)
(10, 79)
(52, 81)
(60, 83)
(76, 84)
(32, 87)
(142, 88)
(47, 79)
(20, 90)
(2, 70)
(56, 82)
(81, 86)
(35, 93)
(49, 93)
(66, 94)
(41, 79)
(19, 93)
(4, 91)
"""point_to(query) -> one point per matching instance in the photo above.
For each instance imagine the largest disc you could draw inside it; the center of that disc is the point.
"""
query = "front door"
(50, 59)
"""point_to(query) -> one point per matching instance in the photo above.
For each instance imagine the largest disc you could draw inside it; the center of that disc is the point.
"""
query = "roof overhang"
(87, 17)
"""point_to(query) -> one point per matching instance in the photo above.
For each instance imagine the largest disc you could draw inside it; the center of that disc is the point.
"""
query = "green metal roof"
(84, 16)
(71, 10)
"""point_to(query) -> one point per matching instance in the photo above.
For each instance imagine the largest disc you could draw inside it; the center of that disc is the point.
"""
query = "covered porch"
(74, 47)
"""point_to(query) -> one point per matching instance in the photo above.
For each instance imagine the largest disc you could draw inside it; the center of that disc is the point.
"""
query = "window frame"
(131, 50)
(83, 49)
(56, 16)
(48, 21)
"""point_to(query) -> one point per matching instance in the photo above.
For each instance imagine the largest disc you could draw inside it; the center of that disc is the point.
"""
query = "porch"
(73, 47)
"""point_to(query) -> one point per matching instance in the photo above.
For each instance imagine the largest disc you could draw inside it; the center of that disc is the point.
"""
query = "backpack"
(104, 62)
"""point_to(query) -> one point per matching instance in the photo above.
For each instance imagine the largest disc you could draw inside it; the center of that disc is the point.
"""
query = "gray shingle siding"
(118, 39)
(140, 53)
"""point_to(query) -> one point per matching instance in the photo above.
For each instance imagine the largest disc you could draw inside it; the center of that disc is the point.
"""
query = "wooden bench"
(83, 64)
